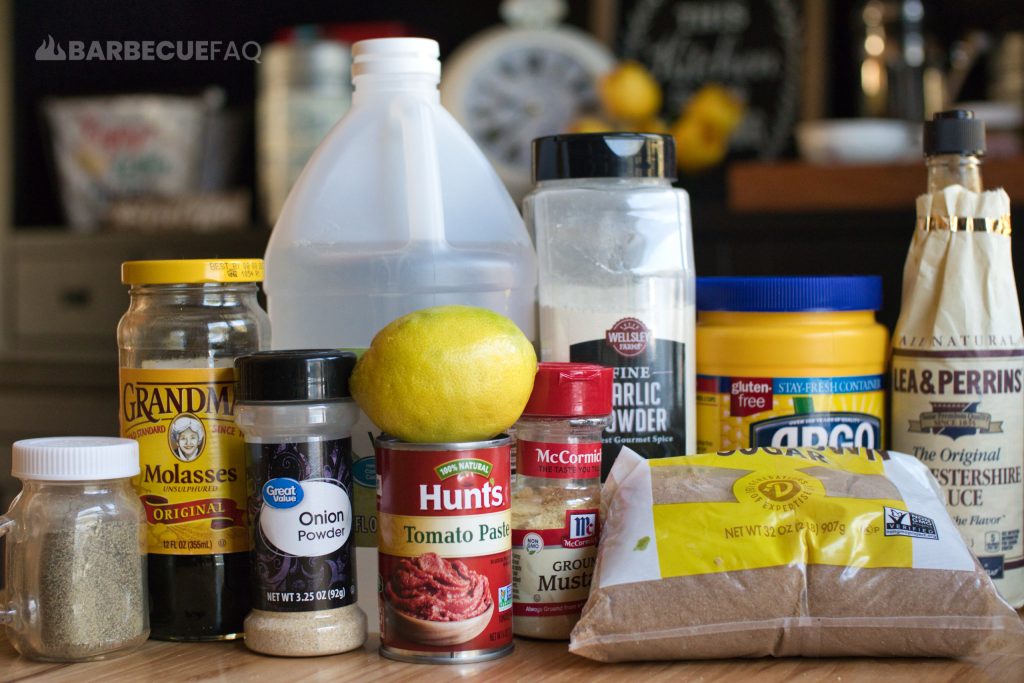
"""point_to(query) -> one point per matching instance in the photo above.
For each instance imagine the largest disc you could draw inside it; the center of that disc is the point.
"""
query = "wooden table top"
(532, 661)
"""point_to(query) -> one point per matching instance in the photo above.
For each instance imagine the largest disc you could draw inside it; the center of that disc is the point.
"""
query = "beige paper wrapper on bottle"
(958, 372)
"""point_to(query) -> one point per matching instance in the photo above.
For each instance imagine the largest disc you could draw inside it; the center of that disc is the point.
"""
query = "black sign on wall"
(750, 46)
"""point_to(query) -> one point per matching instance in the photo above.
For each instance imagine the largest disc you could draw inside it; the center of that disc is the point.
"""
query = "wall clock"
(528, 78)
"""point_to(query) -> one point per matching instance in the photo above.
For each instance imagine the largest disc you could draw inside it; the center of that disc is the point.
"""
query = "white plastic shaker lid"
(396, 56)
(75, 458)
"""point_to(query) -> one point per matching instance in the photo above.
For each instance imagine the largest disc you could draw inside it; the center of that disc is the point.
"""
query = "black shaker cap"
(954, 132)
(299, 375)
(604, 155)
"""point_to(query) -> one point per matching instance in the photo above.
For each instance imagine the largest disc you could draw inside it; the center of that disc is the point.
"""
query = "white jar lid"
(75, 458)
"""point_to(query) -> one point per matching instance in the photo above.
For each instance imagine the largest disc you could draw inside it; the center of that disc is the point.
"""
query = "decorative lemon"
(629, 93)
(449, 373)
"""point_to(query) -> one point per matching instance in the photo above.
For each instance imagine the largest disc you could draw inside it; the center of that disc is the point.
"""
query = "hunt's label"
(192, 458)
(445, 539)
(558, 460)
(960, 413)
(751, 412)
(552, 568)
(300, 504)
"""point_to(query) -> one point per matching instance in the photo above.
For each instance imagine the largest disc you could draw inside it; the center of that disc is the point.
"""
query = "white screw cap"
(409, 56)
(75, 458)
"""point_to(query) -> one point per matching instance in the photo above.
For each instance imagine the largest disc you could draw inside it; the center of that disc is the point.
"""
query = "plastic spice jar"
(75, 579)
(556, 496)
(790, 361)
(616, 279)
(296, 412)
(187, 322)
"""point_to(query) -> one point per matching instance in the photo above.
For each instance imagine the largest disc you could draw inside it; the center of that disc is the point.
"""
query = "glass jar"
(187, 322)
(296, 412)
(75, 580)
(556, 497)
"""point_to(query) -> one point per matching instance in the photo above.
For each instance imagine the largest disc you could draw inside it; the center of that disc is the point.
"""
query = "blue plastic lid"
(790, 294)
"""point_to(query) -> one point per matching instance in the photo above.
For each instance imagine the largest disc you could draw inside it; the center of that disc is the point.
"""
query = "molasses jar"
(187, 322)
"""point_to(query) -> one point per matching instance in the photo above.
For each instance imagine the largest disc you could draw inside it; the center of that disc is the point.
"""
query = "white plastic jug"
(396, 210)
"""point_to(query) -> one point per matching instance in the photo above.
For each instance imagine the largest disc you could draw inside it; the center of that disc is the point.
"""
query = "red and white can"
(445, 540)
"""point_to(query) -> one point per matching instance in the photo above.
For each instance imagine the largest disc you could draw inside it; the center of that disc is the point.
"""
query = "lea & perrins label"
(445, 529)
(192, 458)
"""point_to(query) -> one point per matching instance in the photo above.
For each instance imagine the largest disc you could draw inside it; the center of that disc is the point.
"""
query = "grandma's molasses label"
(192, 458)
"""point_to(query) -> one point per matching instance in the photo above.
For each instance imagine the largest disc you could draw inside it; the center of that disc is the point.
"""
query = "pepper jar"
(75, 580)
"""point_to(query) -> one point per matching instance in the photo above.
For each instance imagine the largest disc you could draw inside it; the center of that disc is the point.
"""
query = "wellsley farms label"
(445, 538)
(192, 458)
(651, 408)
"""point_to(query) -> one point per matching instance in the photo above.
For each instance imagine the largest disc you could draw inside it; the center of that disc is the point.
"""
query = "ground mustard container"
(790, 361)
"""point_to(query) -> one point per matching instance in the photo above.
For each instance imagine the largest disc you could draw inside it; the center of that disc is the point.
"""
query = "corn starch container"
(790, 361)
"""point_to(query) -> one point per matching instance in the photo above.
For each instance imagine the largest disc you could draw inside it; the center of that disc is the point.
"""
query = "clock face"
(508, 86)
(525, 93)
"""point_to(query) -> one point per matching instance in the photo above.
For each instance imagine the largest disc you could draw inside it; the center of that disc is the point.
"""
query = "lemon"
(629, 93)
(448, 373)
(718, 107)
(699, 145)
(590, 124)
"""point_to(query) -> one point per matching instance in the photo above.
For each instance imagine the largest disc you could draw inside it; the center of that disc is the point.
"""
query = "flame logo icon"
(50, 51)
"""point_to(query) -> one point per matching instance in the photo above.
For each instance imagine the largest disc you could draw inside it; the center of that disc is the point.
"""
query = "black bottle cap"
(954, 132)
(302, 375)
(604, 155)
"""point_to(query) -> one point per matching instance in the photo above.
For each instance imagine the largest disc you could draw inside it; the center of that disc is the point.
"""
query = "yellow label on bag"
(784, 506)
(192, 457)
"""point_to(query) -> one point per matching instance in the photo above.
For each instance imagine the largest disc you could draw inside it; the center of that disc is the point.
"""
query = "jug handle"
(6, 614)
(422, 173)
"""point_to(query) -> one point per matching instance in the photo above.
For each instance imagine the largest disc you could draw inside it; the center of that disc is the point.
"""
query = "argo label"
(750, 412)
(301, 510)
(192, 458)
(445, 521)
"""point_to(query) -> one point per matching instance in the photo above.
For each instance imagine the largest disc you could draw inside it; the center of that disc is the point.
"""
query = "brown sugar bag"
(785, 551)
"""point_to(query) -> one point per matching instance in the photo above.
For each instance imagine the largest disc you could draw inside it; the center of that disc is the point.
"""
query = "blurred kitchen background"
(797, 123)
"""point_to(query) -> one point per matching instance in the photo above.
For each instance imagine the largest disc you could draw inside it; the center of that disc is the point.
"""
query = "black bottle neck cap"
(303, 375)
(954, 132)
(604, 155)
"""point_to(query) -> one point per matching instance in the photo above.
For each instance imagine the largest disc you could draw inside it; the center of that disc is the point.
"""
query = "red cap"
(570, 390)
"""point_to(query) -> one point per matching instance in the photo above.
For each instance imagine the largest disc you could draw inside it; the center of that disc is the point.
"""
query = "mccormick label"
(300, 504)
(752, 412)
(558, 460)
(192, 458)
(445, 536)
(959, 411)
(652, 394)
(552, 568)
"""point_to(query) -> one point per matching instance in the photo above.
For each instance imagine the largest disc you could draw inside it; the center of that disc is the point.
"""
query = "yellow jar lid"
(191, 271)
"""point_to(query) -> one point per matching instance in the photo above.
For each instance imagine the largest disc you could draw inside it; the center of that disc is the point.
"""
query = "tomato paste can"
(445, 550)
